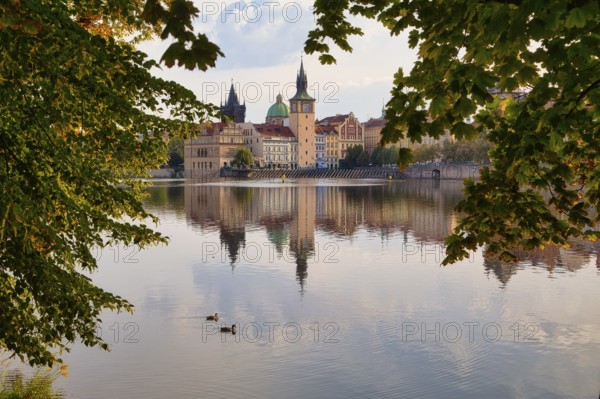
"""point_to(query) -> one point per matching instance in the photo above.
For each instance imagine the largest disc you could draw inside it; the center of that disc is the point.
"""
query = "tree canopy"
(528, 72)
(353, 153)
(384, 156)
(243, 157)
(80, 117)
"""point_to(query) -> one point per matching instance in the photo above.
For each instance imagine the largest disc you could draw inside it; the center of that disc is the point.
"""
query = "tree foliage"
(80, 117)
(175, 151)
(384, 156)
(353, 153)
(426, 153)
(243, 157)
(475, 150)
(475, 58)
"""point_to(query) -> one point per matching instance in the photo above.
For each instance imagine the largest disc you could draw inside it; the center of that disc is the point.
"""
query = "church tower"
(302, 121)
(232, 108)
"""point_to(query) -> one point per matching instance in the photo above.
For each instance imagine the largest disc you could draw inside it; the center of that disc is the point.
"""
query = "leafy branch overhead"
(81, 117)
(528, 73)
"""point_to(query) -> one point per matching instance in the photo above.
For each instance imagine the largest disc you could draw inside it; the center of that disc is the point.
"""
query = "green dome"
(279, 109)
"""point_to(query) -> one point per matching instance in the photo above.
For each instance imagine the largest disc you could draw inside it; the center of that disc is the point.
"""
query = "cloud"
(263, 41)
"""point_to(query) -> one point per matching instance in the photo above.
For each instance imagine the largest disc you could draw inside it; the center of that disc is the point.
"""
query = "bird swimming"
(231, 329)
(215, 317)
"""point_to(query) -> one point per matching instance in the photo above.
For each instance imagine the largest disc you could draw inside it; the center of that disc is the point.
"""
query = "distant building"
(232, 108)
(349, 131)
(373, 129)
(213, 148)
(320, 143)
(331, 144)
(278, 112)
(374, 126)
(279, 146)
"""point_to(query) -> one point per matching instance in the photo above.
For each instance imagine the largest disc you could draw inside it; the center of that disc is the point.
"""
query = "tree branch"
(583, 93)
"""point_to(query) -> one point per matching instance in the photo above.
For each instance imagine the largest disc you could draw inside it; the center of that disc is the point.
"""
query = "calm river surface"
(337, 291)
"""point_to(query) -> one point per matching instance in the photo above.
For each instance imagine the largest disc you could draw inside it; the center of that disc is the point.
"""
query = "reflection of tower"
(302, 121)
(233, 240)
(222, 208)
(233, 207)
(302, 231)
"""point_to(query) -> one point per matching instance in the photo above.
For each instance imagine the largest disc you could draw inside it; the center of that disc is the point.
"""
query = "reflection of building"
(417, 212)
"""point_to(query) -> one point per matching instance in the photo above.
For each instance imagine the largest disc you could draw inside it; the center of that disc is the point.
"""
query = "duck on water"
(231, 329)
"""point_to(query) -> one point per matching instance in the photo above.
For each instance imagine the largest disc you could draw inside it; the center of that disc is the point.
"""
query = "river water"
(337, 292)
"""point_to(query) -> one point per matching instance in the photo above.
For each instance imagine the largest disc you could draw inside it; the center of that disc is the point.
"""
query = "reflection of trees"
(551, 258)
(165, 196)
(502, 270)
(276, 233)
(243, 195)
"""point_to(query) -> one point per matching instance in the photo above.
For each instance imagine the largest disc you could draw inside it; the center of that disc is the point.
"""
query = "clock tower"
(302, 121)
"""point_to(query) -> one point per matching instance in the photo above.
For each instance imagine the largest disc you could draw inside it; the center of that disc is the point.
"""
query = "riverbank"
(425, 171)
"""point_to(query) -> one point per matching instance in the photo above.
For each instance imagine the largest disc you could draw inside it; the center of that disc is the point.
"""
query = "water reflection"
(403, 326)
(291, 215)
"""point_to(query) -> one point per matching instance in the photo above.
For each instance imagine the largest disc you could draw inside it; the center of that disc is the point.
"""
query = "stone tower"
(302, 121)
(232, 108)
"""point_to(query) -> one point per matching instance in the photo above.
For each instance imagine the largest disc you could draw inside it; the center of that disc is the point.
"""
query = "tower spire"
(301, 84)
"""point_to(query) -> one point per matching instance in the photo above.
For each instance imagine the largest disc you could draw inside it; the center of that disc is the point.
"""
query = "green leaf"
(577, 18)
(438, 106)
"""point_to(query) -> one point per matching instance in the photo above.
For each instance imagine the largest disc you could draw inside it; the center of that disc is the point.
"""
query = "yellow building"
(348, 132)
(332, 153)
(373, 129)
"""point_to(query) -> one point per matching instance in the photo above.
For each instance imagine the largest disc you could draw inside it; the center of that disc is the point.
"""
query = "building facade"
(348, 132)
(213, 148)
(280, 148)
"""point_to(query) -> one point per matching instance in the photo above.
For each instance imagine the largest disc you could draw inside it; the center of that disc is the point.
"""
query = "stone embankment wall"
(426, 171)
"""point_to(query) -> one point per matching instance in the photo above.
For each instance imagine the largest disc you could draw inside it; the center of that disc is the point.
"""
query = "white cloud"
(262, 54)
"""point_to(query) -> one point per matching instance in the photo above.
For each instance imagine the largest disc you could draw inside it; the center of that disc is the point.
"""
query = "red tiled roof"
(274, 130)
(375, 122)
(325, 129)
(211, 128)
(339, 118)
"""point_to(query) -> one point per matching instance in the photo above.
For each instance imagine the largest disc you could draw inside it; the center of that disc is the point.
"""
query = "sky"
(263, 42)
